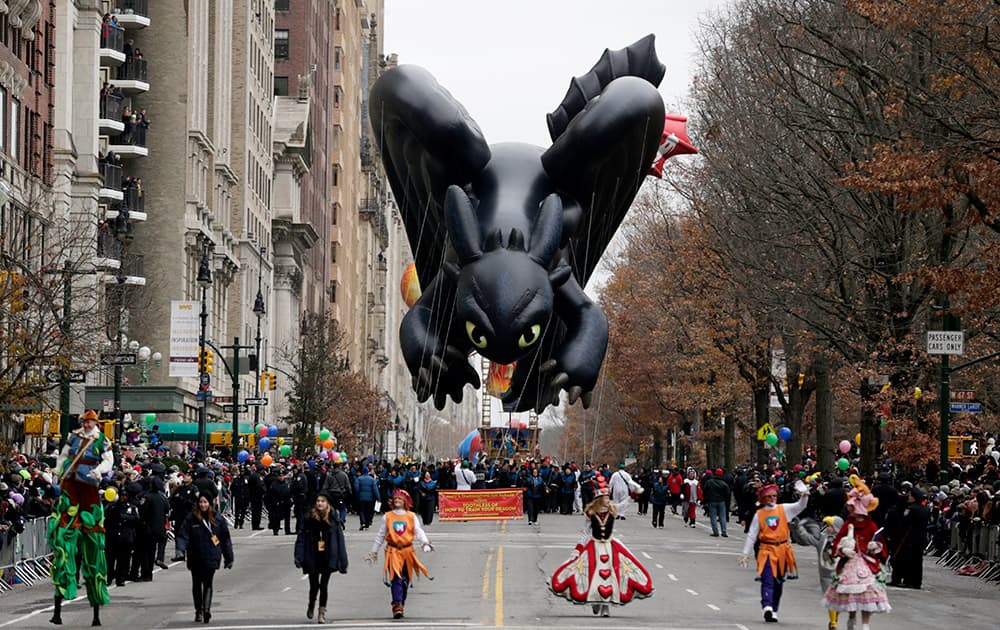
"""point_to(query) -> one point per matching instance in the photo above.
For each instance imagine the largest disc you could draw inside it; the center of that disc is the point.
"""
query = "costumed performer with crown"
(77, 523)
(400, 529)
(602, 571)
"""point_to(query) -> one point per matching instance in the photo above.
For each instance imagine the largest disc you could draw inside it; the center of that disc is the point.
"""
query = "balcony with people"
(131, 142)
(112, 48)
(132, 14)
(131, 76)
(111, 176)
(111, 105)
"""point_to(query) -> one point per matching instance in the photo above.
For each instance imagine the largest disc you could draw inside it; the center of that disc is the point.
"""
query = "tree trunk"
(657, 447)
(793, 420)
(824, 417)
(869, 441)
(729, 444)
(762, 413)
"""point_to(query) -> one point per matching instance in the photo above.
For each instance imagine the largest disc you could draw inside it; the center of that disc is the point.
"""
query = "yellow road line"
(498, 622)
(486, 586)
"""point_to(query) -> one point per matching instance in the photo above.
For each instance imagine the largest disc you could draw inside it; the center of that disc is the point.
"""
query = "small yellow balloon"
(110, 495)
(857, 439)
(281, 441)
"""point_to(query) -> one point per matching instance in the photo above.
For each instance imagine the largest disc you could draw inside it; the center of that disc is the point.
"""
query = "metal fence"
(973, 550)
(26, 558)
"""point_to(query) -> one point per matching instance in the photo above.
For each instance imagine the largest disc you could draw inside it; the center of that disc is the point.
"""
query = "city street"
(493, 574)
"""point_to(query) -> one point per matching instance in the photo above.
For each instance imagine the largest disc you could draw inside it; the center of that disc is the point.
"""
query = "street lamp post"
(258, 309)
(204, 280)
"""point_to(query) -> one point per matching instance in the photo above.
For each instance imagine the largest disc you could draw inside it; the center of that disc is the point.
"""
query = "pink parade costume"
(602, 571)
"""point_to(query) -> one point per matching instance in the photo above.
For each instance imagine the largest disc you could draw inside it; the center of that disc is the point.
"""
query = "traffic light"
(206, 361)
(263, 380)
(272, 381)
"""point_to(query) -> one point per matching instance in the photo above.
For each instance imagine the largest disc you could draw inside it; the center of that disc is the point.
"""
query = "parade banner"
(480, 505)
(185, 329)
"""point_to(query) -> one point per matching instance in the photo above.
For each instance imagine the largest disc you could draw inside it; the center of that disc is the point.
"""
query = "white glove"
(874, 548)
(428, 548)
(847, 552)
(371, 557)
(743, 561)
(93, 474)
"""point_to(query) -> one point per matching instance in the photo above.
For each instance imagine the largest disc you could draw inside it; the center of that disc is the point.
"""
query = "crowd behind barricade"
(151, 492)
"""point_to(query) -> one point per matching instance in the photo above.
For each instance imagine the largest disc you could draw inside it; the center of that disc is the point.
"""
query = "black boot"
(57, 611)
(97, 616)
(207, 603)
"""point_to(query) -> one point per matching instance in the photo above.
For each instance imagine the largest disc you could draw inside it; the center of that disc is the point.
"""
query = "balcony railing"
(134, 135)
(133, 198)
(132, 265)
(113, 37)
(112, 175)
(112, 106)
(133, 70)
(108, 246)
(136, 7)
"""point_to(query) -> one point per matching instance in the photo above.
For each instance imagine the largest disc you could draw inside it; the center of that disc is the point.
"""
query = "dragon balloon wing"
(427, 142)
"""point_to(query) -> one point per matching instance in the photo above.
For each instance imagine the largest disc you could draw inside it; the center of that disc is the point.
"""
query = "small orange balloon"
(329, 443)
(409, 286)
(857, 439)
(267, 460)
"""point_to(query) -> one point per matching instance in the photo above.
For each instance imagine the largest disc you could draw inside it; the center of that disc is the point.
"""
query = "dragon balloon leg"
(506, 236)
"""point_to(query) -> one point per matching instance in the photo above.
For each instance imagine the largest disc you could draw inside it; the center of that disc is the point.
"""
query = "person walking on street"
(366, 491)
(464, 478)
(399, 531)
(337, 486)
(908, 556)
(319, 551)
(716, 494)
(775, 559)
(534, 495)
(205, 543)
(256, 499)
(659, 495)
(153, 510)
(691, 495)
(622, 488)
(428, 498)
(240, 488)
(675, 483)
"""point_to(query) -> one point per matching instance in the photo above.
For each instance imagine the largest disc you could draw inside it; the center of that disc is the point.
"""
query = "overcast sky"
(510, 62)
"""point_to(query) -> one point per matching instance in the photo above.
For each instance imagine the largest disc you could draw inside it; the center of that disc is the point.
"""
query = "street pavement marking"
(486, 585)
(498, 621)
(713, 607)
(740, 626)
(257, 533)
(286, 589)
(672, 576)
(659, 566)
(691, 591)
(646, 556)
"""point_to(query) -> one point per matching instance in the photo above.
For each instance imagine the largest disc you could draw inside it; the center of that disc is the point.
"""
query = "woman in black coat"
(204, 540)
(319, 551)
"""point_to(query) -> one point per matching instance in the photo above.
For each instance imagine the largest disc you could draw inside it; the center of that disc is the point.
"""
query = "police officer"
(256, 499)
(279, 501)
(240, 488)
(300, 487)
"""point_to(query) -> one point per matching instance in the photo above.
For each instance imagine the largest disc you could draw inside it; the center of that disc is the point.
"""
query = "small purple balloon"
(16, 498)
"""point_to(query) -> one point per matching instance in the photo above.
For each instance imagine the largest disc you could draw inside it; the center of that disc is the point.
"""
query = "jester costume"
(775, 558)
(398, 533)
(77, 523)
(602, 571)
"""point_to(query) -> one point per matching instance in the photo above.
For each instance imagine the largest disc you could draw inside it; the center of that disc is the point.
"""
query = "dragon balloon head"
(506, 274)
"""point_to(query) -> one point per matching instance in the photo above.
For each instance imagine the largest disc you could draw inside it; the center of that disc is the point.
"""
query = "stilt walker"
(775, 559)
(602, 571)
(400, 529)
(77, 523)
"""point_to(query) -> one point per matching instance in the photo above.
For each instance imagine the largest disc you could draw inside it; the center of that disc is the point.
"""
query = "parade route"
(493, 574)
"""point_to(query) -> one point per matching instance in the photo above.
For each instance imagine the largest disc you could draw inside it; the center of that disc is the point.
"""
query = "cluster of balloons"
(771, 439)
(265, 431)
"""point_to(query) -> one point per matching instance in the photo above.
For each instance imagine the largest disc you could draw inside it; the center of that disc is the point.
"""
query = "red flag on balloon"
(674, 141)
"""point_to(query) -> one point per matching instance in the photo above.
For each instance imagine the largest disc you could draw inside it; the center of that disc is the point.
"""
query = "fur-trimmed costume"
(77, 522)
(400, 529)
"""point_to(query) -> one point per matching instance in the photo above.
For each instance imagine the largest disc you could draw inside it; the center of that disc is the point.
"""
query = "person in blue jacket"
(320, 550)
(534, 495)
(659, 498)
(567, 489)
(428, 489)
(204, 541)
(366, 491)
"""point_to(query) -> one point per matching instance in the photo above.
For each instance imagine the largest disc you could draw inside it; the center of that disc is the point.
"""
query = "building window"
(15, 127)
(281, 5)
(281, 86)
(336, 58)
(281, 44)
(3, 119)
(336, 20)
(335, 179)
(334, 211)
(333, 251)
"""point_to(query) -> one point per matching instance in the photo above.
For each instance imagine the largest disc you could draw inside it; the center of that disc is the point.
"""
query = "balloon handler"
(398, 532)
(77, 524)
(601, 571)
(859, 584)
(775, 558)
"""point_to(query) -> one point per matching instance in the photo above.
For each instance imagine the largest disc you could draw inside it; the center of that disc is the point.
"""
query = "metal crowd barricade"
(977, 553)
(7, 560)
(26, 558)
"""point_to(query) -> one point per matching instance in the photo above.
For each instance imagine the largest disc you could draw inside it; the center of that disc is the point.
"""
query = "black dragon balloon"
(505, 236)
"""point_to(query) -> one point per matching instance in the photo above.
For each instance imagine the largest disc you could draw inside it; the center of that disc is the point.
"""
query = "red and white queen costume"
(602, 571)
